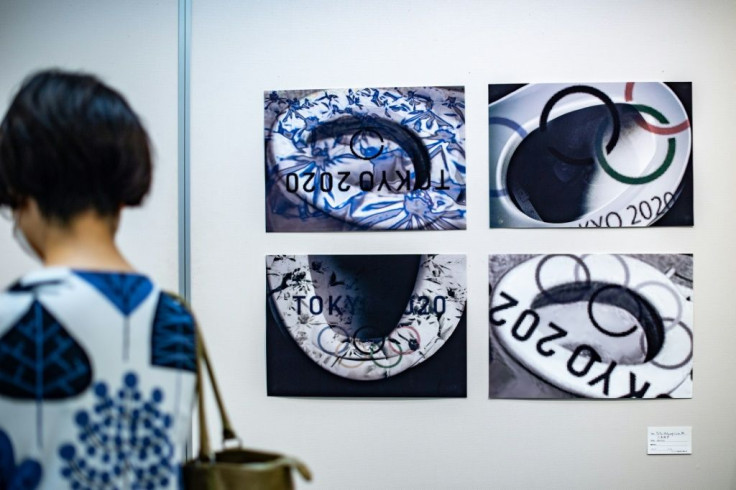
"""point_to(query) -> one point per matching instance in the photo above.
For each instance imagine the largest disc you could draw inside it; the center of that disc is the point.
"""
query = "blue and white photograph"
(370, 159)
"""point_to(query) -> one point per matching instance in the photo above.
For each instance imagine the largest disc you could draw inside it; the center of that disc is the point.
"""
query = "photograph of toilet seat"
(312, 303)
(377, 159)
(594, 326)
(590, 155)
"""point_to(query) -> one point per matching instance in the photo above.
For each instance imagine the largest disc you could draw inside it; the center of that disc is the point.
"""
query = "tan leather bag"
(233, 468)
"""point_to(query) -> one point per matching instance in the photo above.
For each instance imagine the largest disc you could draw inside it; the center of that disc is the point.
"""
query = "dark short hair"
(73, 144)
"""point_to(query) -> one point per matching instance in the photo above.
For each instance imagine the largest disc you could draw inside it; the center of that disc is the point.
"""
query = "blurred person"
(96, 361)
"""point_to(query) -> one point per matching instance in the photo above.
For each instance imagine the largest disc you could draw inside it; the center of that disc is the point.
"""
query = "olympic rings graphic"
(627, 273)
(580, 264)
(356, 339)
(417, 340)
(643, 332)
(513, 125)
(669, 289)
(373, 346)
(384, 366)
(687, 359)
(537, 274)
(341, 362)
(584, 89)
(639, 301)
(629, 95)
(529, 121)
(319, 339)
(597, 325)
(345, 349)
(645, 179)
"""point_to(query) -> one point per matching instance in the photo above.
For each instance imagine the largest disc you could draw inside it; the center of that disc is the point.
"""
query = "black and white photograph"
(591, 326)
(590, 155)
(366, 325)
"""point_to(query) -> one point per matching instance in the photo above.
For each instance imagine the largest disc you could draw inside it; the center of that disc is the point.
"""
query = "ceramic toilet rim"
(321, 347)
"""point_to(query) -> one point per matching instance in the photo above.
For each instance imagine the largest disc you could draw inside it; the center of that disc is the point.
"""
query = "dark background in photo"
(290, 372)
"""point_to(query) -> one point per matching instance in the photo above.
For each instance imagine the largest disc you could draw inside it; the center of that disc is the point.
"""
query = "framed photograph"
(376, 159)
(591, 326)
(593, 155)
(366, 325)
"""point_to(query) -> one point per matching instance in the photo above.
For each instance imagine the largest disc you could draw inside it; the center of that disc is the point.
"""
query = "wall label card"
(670, 440)
(591, 326)
(377, 159)
(592, 155)
(360, 325)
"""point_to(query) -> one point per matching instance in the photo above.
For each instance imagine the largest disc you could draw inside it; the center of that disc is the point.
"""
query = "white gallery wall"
(132, 46)
(241, 48)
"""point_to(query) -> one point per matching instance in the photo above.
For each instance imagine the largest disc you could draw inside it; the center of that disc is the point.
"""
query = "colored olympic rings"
(584, 89)
(374, 347)
(417, 339)
(346, 342)
(343, 348)
(341, 361)
(387, 366)
(666, 131)
(645, 179)
(356, 339)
